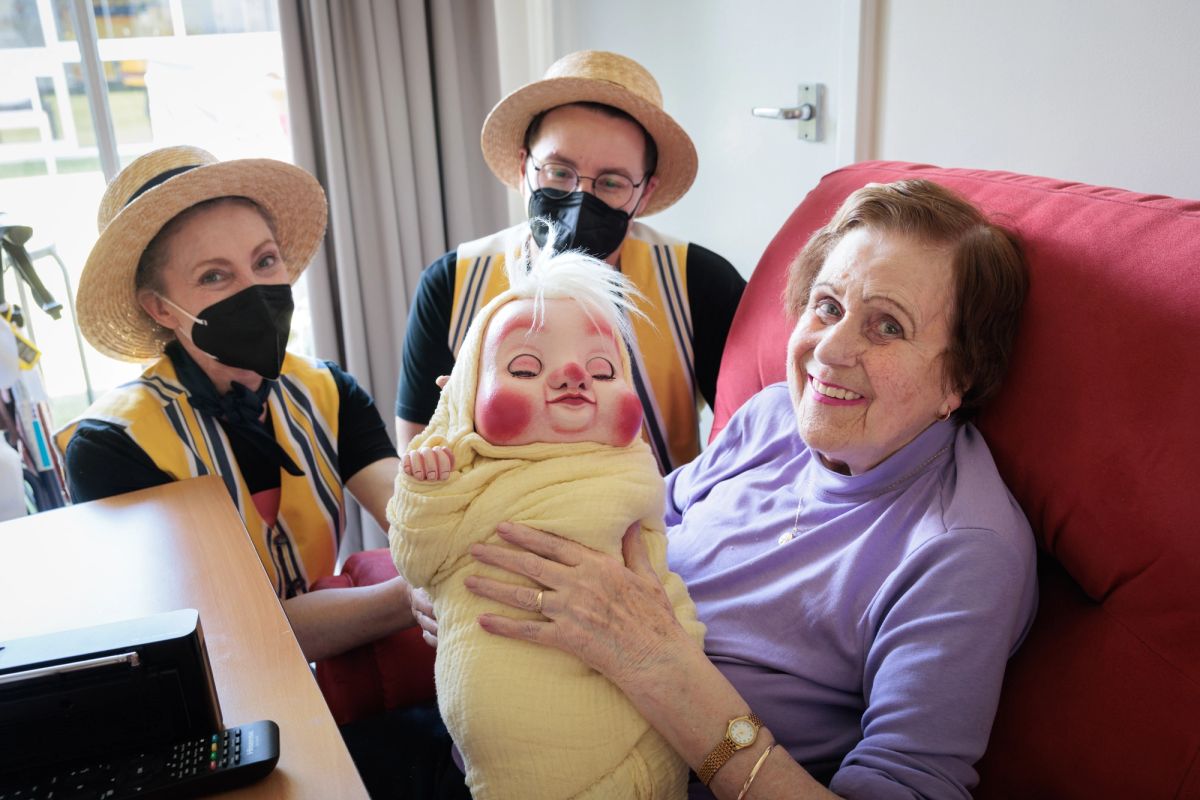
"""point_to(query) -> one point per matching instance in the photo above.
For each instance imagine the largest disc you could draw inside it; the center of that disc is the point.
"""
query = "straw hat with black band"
(150, 192)
(598, 77)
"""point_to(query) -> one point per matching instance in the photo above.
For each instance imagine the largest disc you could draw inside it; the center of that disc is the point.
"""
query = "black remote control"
(225, 760)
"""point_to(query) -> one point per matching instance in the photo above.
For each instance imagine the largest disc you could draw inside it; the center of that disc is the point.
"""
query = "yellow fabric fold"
(531, 721)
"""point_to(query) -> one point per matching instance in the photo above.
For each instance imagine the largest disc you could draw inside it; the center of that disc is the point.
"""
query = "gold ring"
(537, 601)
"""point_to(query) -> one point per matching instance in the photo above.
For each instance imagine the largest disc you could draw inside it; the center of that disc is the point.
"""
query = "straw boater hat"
(598, 77)
(151, 191)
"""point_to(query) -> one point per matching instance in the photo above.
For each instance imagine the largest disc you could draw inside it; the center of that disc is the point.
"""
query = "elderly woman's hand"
(422, 609)
(613, 616)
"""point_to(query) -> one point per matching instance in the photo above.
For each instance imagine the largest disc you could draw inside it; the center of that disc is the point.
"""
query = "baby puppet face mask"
(561, 381)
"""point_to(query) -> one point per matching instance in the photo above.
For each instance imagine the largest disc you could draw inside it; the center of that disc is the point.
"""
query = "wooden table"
(181, 545)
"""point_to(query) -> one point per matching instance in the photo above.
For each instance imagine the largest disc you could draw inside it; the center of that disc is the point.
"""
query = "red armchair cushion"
(1096, 432)
(392, 672)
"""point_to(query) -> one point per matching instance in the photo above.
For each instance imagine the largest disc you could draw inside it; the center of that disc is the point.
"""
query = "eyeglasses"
(559, 180)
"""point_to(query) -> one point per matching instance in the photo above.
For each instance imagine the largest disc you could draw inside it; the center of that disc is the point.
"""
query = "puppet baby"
(539, 423)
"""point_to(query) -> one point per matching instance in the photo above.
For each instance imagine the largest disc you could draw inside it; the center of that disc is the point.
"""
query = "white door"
(715, 60)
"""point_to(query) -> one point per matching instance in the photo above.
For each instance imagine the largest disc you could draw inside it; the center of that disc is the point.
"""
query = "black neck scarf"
(239, 408)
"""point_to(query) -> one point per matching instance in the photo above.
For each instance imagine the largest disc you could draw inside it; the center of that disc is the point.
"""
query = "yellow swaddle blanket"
(531, 721)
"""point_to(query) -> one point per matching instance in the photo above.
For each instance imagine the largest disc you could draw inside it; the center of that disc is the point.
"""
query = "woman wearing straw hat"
(193, 272)
(590, 148)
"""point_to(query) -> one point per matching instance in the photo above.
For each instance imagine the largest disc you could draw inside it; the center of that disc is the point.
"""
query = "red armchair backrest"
(1097, 432)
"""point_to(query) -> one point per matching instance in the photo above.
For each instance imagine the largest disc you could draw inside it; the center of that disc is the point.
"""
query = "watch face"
(742, 732)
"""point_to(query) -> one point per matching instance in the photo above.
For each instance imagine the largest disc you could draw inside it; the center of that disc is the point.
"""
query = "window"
(202, 72)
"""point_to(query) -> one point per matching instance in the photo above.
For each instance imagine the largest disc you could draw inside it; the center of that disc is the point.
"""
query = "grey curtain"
(387, 98)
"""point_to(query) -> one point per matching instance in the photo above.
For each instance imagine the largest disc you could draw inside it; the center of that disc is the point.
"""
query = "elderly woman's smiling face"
(865, 361)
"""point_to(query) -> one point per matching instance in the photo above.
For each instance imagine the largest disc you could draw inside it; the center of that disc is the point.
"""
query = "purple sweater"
(873, 641)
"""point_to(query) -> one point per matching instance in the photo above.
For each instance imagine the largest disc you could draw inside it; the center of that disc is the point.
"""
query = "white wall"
(1103, 91)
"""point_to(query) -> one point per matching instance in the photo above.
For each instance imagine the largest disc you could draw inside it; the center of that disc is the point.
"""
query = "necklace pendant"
(787, 536)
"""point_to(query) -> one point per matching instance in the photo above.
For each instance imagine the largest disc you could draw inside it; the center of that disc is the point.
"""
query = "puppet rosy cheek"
(629, 419)
(502, 416)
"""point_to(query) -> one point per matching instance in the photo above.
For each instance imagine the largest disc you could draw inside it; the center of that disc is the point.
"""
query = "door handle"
(806, 112)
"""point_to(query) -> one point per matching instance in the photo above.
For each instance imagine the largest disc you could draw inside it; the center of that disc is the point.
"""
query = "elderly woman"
(863, 571)
(193, 272)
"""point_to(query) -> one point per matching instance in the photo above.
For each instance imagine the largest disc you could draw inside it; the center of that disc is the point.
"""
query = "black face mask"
(247, 330)
(583, 221)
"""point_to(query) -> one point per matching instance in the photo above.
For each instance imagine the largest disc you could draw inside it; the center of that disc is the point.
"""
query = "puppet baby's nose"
(570, 374)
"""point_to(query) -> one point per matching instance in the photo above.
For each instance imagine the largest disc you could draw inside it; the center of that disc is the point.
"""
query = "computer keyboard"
(225, 760)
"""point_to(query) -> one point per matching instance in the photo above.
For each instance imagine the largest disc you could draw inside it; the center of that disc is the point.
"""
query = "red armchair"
(393, 672)
(1098, 436)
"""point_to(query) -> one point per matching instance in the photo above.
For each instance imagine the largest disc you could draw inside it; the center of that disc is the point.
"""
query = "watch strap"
(726, 748)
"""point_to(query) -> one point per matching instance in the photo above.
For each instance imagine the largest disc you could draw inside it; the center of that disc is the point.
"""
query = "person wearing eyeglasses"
(590, 149)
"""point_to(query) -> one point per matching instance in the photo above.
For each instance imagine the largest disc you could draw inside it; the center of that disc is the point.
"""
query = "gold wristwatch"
(739, 734)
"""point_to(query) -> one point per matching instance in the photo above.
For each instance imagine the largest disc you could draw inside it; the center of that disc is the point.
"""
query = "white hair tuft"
(551, 274)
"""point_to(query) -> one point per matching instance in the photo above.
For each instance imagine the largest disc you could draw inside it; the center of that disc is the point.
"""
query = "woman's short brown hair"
(990, 277)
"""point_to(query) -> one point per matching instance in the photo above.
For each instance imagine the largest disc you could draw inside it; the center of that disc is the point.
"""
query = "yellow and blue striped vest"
(301, 546)
(663, 360)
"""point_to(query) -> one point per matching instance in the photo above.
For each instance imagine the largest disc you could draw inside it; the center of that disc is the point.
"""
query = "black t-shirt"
(714, 289)
(102, 460)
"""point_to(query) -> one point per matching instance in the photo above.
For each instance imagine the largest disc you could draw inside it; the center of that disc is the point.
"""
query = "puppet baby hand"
(428, 463)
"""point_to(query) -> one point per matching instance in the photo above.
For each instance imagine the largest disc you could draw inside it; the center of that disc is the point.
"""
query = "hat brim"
(504, 132)
(110, 316)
